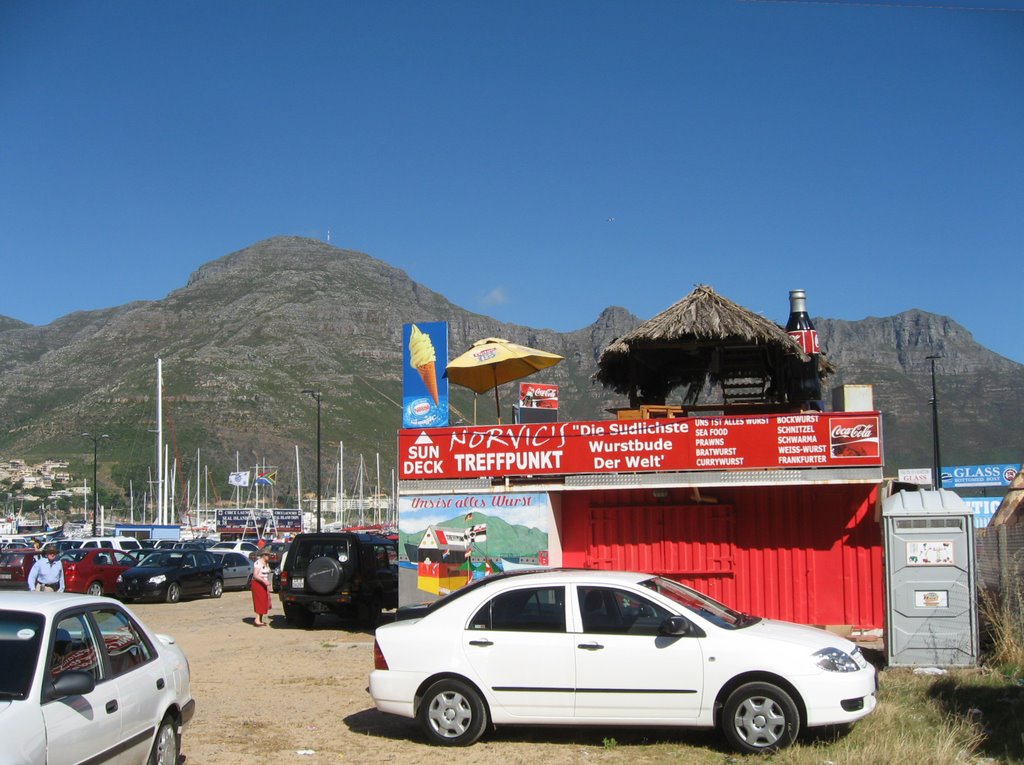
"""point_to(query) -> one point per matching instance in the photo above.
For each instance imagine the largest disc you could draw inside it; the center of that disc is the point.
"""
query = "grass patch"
(966, 716)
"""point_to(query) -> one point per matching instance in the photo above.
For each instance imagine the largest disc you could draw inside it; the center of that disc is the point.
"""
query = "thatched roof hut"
(704, 337)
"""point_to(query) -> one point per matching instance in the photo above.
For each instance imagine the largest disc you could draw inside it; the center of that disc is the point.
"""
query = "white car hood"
(811, 638)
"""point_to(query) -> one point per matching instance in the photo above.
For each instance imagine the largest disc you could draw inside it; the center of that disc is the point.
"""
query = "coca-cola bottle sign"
(807, 339)
(853, 437)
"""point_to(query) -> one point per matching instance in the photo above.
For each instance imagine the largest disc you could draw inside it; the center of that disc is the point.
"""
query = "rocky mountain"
(251, 330)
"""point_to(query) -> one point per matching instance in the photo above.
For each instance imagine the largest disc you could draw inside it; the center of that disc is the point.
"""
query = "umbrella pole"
(497, 406)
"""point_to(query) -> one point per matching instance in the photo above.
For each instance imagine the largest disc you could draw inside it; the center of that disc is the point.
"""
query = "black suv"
(349, 574)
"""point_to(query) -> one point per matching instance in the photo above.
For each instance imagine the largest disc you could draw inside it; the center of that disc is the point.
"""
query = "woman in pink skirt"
(261, 587)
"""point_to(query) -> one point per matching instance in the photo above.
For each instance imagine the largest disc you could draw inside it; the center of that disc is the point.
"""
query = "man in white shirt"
(47, 574)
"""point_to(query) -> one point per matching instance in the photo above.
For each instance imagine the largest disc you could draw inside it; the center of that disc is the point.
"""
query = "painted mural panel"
(448, 540)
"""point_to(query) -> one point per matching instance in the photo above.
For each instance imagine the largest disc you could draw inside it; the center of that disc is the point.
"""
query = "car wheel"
(452, 713)
(760, 717)
(173, 592)
(323, 575)
(96, 588)
(217, 589)
(297, 616)
(165, 748)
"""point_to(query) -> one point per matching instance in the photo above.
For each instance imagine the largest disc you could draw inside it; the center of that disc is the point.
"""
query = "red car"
(95, 570)
(14, 568)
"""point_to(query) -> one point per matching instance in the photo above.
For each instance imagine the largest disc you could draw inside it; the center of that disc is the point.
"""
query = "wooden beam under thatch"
(690, 343)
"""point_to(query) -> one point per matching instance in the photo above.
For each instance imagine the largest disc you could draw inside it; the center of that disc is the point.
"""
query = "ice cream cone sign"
(424, 394)
(493, 361)
(423, 359)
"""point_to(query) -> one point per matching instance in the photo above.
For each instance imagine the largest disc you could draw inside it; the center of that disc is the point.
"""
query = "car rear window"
(324, 548)
(13, 559)
(21, 635)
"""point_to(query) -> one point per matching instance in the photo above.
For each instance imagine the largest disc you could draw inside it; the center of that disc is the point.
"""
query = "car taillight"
(379, 662)
(284, 578)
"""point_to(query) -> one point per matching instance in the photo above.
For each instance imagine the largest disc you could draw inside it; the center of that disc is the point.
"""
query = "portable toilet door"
(931, 614)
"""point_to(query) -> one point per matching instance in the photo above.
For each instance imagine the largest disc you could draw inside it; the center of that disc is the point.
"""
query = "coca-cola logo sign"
(485, 354)
(854, 437)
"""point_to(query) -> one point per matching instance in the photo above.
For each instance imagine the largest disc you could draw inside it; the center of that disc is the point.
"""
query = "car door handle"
(160, 684)
(111, 706)
(481, 643)
(591, 646)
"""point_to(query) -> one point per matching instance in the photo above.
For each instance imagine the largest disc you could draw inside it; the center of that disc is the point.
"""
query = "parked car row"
(165, 575)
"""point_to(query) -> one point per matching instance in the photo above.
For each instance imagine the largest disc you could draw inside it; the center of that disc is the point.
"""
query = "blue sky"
(533, 161)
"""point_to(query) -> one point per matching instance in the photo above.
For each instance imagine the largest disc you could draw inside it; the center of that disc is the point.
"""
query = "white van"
(129, 544)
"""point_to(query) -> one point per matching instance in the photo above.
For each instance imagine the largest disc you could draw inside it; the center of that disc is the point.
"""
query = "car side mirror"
(74, 682)
(678, 626)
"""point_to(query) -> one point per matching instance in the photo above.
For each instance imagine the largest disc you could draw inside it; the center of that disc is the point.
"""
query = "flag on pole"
(240, 478)
(266, 479)
(477, 533)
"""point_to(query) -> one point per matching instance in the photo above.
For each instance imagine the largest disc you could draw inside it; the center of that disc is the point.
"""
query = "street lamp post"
(95, 493)
(316, 395)
(936, 459)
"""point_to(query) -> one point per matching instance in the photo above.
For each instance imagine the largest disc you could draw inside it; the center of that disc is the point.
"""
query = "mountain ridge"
(250, 330)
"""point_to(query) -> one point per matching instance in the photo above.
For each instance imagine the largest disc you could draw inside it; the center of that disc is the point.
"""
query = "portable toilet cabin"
(931, 608)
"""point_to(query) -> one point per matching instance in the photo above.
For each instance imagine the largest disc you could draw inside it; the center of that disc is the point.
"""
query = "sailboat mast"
(362, 514)
(298, 489)
(159, 441)
(199, 482)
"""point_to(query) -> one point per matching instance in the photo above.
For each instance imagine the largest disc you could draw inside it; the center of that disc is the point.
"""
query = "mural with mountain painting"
(447, 541)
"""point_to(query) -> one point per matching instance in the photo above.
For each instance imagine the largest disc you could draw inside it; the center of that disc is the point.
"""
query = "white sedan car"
(85, 681)
(561, 647)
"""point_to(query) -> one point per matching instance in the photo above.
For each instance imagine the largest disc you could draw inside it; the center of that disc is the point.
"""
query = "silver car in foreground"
(84, 680)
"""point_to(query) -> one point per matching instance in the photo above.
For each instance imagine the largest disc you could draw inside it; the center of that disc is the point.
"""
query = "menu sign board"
(811, 439)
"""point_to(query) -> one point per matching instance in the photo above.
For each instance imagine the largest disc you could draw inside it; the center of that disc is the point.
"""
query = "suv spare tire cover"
(323, 575)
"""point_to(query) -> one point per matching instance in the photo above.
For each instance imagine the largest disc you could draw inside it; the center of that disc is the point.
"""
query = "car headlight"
(161, 578)
(833, 660)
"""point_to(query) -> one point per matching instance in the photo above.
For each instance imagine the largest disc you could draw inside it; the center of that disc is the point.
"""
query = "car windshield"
(165, 559)
(21, 635)
(705, 607)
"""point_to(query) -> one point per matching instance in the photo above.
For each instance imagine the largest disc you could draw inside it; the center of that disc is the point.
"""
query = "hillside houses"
(40, 476)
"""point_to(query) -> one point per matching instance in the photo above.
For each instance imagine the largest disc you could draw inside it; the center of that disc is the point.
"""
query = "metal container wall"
(810, 554)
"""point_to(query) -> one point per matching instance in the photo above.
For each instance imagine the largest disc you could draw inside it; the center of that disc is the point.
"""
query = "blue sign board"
(966, 476)
(984, 509)
(424, 382)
